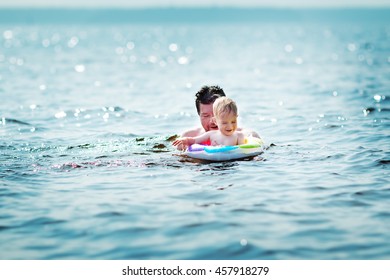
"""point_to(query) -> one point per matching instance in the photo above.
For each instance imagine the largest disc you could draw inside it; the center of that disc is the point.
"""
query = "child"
(225, 114)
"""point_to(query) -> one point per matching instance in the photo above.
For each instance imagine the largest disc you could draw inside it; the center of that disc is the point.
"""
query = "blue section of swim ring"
(220, 149)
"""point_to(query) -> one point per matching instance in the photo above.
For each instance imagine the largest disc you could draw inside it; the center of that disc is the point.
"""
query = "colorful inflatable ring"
(252, 147)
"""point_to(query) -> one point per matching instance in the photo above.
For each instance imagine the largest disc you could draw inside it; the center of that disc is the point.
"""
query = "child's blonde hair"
(224, 105)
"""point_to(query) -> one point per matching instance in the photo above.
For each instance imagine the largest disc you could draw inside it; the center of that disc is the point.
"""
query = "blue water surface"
(88, 110)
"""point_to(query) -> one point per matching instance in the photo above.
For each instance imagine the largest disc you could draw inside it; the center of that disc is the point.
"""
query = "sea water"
(88, 109)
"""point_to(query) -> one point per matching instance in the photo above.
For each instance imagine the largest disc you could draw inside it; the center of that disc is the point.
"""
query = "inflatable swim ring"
(252, 147)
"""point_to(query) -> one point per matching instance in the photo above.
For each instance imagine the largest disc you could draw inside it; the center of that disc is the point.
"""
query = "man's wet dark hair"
(207, 95)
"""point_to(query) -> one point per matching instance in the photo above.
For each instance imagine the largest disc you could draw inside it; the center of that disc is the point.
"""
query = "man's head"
(205, 98)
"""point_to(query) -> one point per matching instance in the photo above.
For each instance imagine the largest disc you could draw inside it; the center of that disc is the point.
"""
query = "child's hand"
(183, 142)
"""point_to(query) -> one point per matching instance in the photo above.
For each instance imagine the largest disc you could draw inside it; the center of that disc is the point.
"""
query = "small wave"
(159, 148)
(90, 164)
(373, 194)
(2, 228)
(109, 214)
(5, 121)
(239, 249)
(82, 146)
(383, 215)
(41, 221)
(382, 162)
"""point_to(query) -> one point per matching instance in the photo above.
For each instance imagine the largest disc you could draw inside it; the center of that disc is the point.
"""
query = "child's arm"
(188, 141)
(184, 141)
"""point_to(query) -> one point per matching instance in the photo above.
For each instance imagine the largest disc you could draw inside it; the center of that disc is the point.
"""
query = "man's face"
(207, 117)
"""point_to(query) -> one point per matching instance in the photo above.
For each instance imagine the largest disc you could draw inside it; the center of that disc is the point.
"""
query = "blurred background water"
(89, 101)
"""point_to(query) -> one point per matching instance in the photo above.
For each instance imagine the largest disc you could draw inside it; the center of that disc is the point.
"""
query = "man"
(204, 101)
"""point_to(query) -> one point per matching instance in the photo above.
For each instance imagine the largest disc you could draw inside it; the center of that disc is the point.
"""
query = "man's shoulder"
(193, 132)
(248, 132)
(240, 133)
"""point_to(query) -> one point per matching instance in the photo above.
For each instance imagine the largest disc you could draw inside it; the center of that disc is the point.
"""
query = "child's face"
(227, 123)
